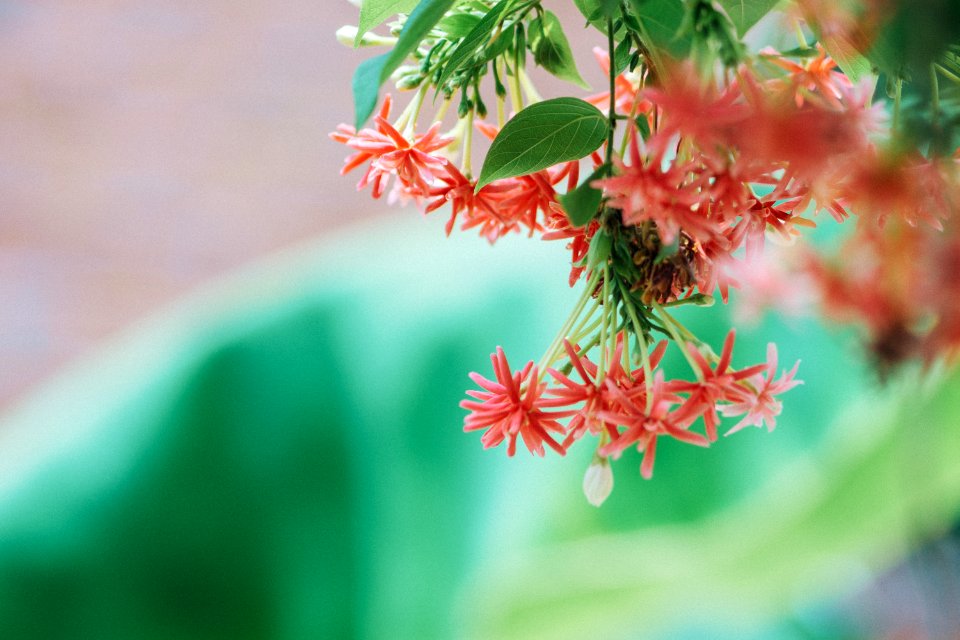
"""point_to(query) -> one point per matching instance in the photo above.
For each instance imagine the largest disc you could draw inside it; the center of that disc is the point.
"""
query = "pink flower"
(696, 109)
(645, 190)
(390, 153)
(479, 209)
(559, 228)
(511, 406)
(644, 427)
(760, 404)
(597, 395)
(714, 386)
(819, 75)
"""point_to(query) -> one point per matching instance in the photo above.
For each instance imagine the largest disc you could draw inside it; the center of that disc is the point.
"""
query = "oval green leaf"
(543, 135)
(551, 49)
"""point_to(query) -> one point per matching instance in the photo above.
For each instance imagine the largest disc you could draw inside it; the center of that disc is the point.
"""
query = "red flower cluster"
(432, 181)
(625, 407)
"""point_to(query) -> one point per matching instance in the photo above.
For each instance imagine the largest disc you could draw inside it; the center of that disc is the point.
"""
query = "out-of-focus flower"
(760, 403)
(713, 386)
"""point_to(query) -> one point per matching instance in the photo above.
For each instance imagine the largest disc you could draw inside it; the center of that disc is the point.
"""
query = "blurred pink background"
(147, 146)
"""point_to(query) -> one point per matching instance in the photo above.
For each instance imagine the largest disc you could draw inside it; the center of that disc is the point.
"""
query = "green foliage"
(375, 12)
(594, 12)
(582, 203)
(551, 50)
(918, 34)
(661, 22)
(746, 13)
(543, 135)
(473, 41)
(372, 73)
(458, 25)
(600, 248)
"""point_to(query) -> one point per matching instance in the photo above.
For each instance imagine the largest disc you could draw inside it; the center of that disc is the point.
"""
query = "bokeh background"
(147, 147)
(230, 384)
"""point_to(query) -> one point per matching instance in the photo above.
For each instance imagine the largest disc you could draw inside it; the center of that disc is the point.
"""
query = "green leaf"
(543, 135)
(660, 21)
(458, 25)
(622, 55)
(608, 8)
(582, 204)
(551, 50)
(477, 37)
(593, 12)
(374, 12)
(366, 87)
(746, 13)
(374, 72)
(600, 247)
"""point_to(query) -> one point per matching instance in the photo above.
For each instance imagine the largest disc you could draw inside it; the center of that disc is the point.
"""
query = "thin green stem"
(671, 326)
(513, 86)
(613, 90)
(467, 163)
(935, 95)
(947, 73)
(551, 353)
(584, 328)
(898, 93)
(529, 90)
(605, 310)
(644, 348)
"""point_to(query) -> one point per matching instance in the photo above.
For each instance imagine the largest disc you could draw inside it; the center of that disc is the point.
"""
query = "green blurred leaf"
(661, 21)
(551, 50)
(374, 12)
(543, 135)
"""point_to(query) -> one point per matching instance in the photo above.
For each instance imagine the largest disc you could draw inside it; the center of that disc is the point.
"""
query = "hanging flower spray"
(666, 184)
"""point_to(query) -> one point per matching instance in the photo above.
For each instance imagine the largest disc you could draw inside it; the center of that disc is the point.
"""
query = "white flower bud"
(598, 481)
(346, 35)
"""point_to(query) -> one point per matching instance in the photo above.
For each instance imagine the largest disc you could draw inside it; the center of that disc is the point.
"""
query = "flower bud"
(346, 35)
(598, 481)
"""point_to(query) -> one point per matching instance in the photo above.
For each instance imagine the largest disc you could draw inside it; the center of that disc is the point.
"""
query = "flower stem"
(672, 327)
(531, 91)
(467, 166)
(605, 312)
(557, 343)
(612, 114)
(642, 339)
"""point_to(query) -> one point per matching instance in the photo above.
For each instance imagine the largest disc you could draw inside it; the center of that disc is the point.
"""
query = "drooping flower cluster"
(694, 165)
(622, 405)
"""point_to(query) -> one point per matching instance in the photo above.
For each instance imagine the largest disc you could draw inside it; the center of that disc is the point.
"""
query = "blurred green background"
(281, 456)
